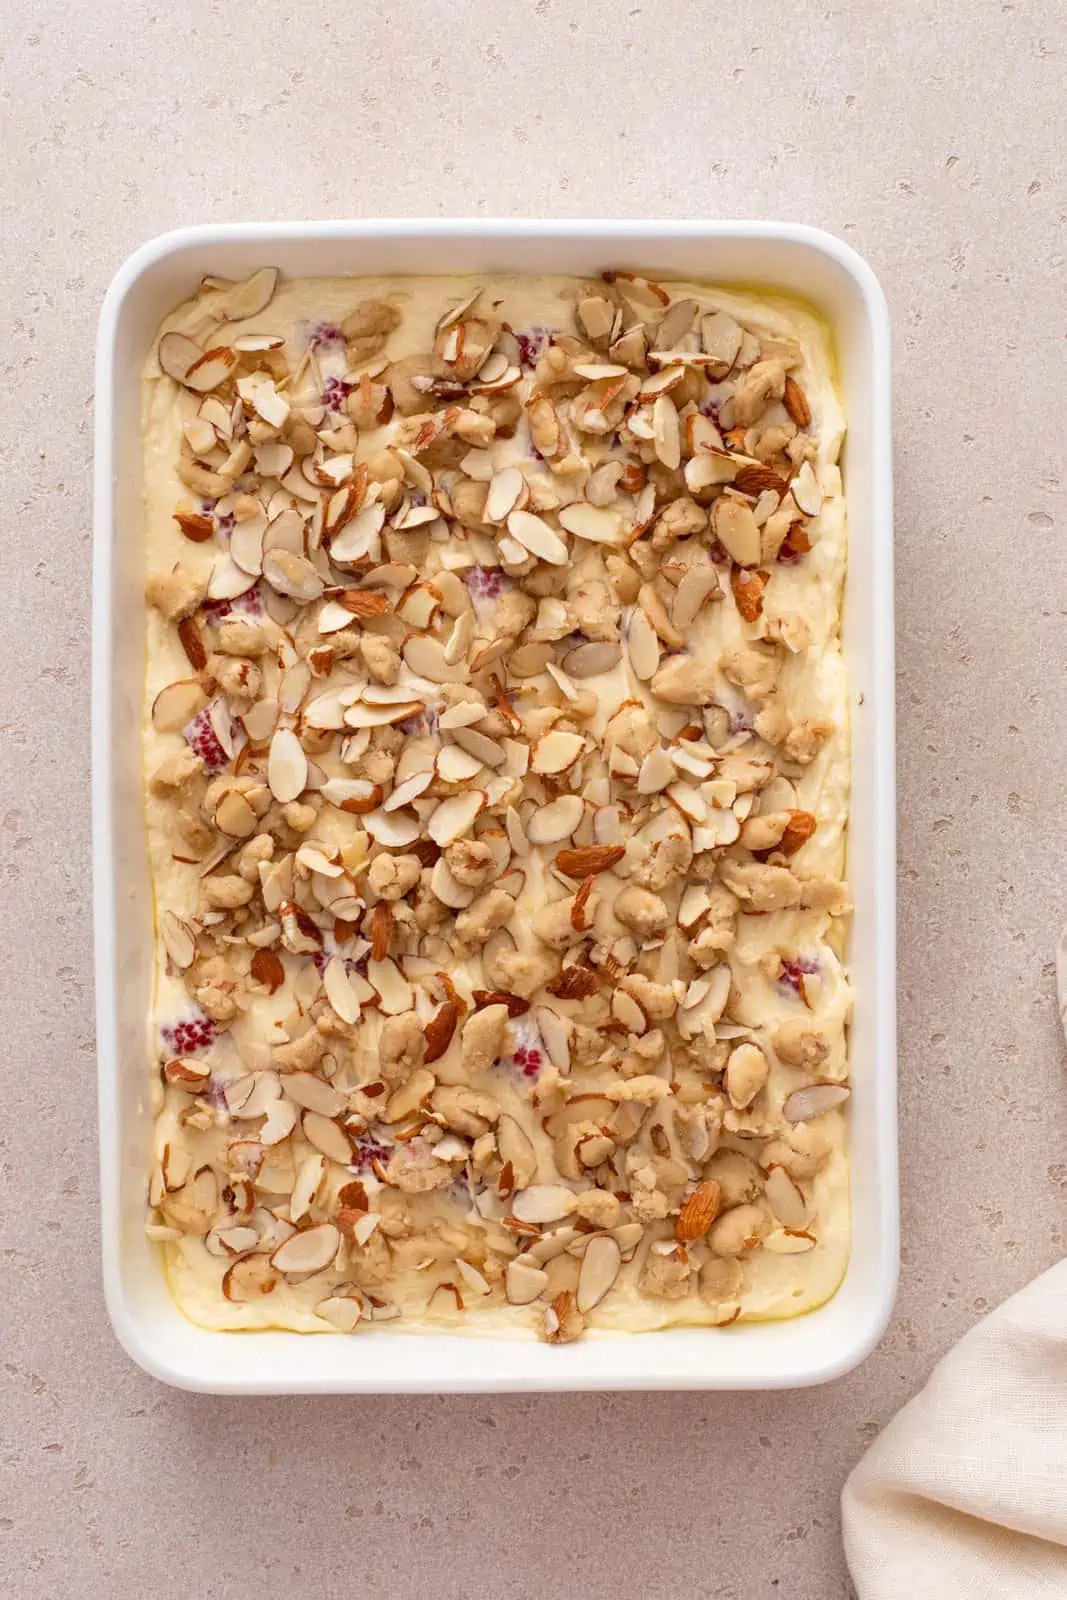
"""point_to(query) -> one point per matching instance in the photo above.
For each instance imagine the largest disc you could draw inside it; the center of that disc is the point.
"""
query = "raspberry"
(484, 583)
(531, 344)
(528, 1061)
(203, 741)
(248, 604)
(190, 1035)
(324, 334)
(528, 1056)
(369, 1149)
(334, 393)
(215, 1095)
(792, 972)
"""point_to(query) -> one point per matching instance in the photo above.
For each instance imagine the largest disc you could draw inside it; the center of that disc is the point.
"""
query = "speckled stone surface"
(928, 139)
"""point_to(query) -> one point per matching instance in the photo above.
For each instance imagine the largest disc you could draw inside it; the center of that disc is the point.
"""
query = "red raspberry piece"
(190, 1035)
(202, 739)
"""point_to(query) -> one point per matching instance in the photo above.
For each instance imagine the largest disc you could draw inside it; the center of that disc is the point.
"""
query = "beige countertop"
(927, 139)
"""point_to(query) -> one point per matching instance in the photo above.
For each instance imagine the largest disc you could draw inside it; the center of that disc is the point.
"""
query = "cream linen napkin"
(965, 1493)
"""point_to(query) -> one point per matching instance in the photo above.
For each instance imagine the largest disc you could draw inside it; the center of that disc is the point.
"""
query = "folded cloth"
(965, 1492)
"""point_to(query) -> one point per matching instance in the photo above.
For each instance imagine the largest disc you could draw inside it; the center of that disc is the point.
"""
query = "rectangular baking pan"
(809, 1349)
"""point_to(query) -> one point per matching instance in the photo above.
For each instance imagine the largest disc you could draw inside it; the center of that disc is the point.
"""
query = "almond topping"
(698, 1213)
(588, 861)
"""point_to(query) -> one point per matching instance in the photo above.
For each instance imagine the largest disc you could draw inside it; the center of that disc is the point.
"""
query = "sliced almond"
(592, 659)
(312, 1093)
(666, 432)
(408, 791)
(234, 815)
(555, 1032)
(516, 832)
(248, 297)
(446, 887)
(544, 1203)
(554, 752)
(814, 1100)
(187, 1074)
(625, 1009)
(553, 823)
(355, 795)
(536, 536)
(362, 715)
(642, 643)
(506, 491)
(177, 705)
(406, 1100)
(657, 771)
(690, 801)
(292, 575)
(359, 537)
(439, 1030)
(596, 316)
(599, 1270)
(340, 991)
(708, 469)
(341, 1311)
(279, 1124)
(696, 898)
(806, 491)
(287, 766)
(607, 824)
(393, 990)
(461, 715)
(456, 765)
(308, 1251)
(327, 1136)
(419, 606)
(248, 1279)
(516, 1153)
(454, 817)
(483, 749)
(426, 657)
(273, 458)
(460, 639)
(179, 939)
(393, 829)
(592, 523)
(785, 1198)
(246, 543)
(602, 485)
(721, 337)
(524, 1281)
(789, 1241)
(701, 434)
(176, 354)
(695, 588)
(719, 829)
(210, 369)
(737, 530)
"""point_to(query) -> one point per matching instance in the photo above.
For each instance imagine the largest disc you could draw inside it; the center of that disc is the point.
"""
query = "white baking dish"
(809, 1349)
